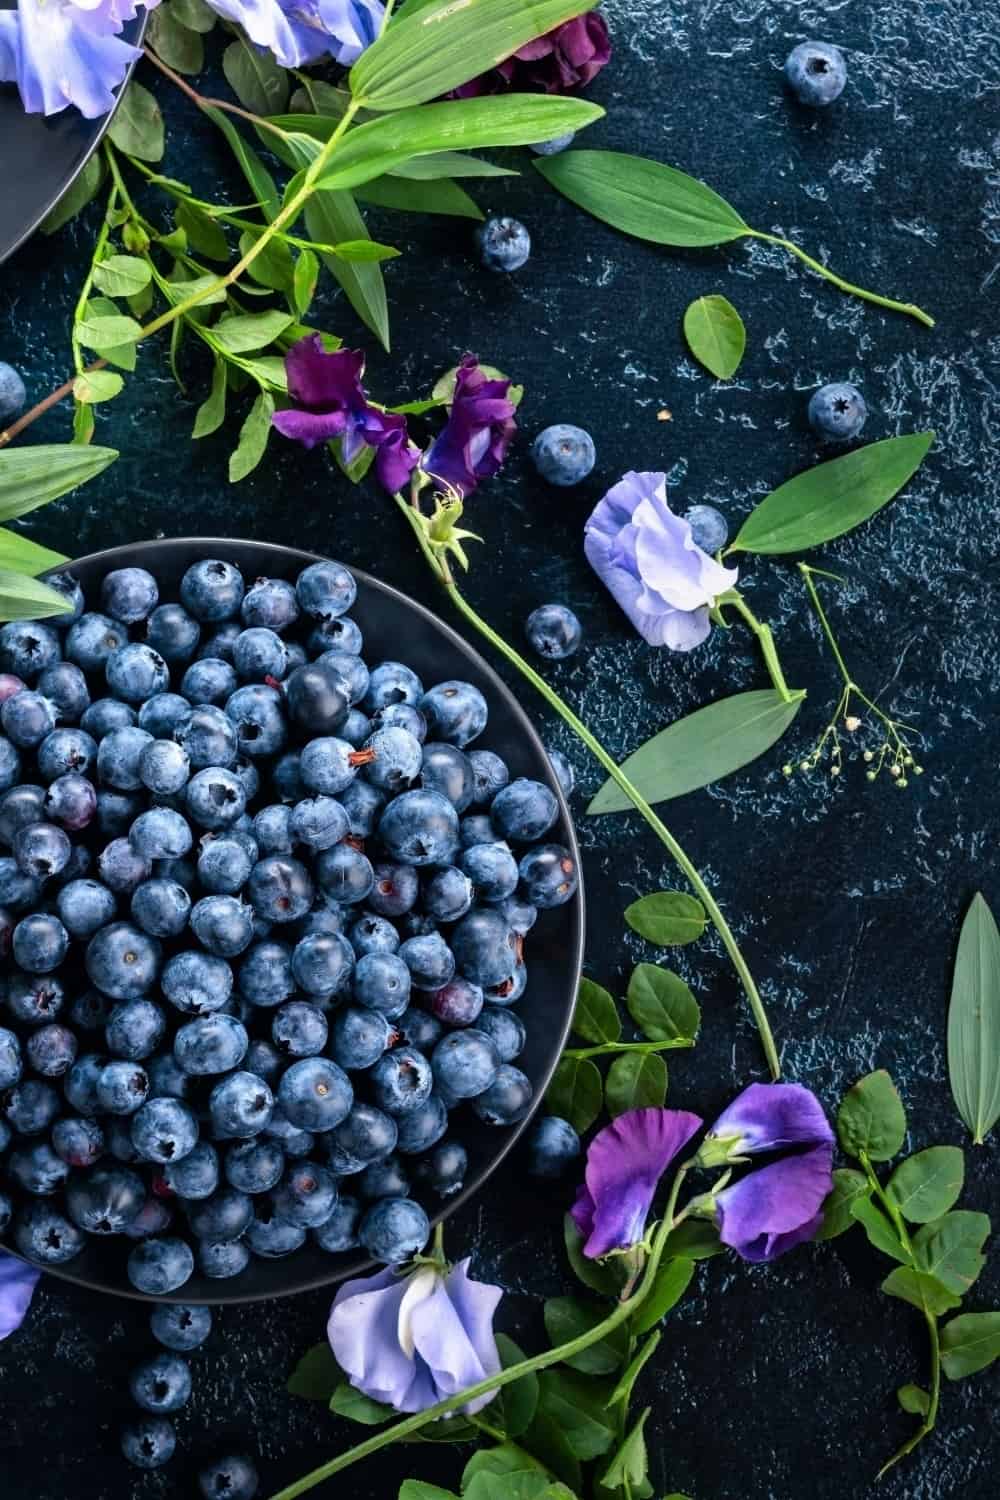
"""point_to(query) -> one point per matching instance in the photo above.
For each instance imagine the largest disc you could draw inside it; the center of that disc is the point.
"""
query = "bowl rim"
(298, 557)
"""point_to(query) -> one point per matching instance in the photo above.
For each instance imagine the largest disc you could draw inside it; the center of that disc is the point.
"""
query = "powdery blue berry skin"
(446, 769)
(41, 850)
(93, 639)
(447, 894)
(51, 1050)
(37, 1169)
(350, 672)
(135, 1029)
(172, 632)
(27, 718)
(507, 1099)
(397, 759)
(180, 1328)
(234, 1476)
(259, 653)
(162, 714)
(324, 916)
(272, 828)
(293, 1141)
(80, 1086)
(382, 983)
(215, 798)
(709, 527)
(457, 1003)
(280, 889)
(327, 765)
(358, 1037)
(196, 1175)
(524, 810)
(419, 828)
(161, 907)
(71, 801)
(258, 717)
(816, 73)
(164, 1130)
(465, 1063)
(505, 1030)
(65, 685)
(384, 1179)
(105, 1201)
(17, 890)
(484, 946)
(13, 396)
(373, 934)
(325, 590)
(150, 1443)
(504, 243)
(223, 925)
(240, 1107)
(548, 875)
(79, 1142)
(455, 711)
(10, 765)
(196, 983)
(565, 775)
(492, 869)
(306, 1195)
(34, 998)
(161, 1384)
(322, 964)
(160, 833)
(160, 1266)
(28, 647)
(66, 751)
(554, 631)
(396, 888)
(122, 867)
(221, 1260)
(340, 1232)
(366, 1134)
(394, 1229)
(429, 959)
(40, 943)
(299, 1029)
(211, 1045)
(443, 1169)
(105, 714)
(557, 144)
(391, 682)
(208, 735)
(164, 767)
(254, 1166)
(315, 1094)
(118, 757)
(837, 412)
(219, 643)
(563, 454)
(553, 1147)
(266, 974)
(212, 590)
(136, 672)
(316, 700)
(222, 1216)
(340, 634)
(269, 602)
(272, 1238)
(209, 680)
(42, 1234)
(490, 775)
(122, 1087)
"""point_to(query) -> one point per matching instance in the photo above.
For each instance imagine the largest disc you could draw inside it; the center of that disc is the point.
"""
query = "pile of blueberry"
(262, 916)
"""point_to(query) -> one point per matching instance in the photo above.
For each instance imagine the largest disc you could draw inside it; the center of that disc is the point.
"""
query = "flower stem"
(203, 101)
(443, 574)
(641, 1047)
(838, 281)
(887, 1203)
(765, 637)
(927, 1425)
(619, 1314)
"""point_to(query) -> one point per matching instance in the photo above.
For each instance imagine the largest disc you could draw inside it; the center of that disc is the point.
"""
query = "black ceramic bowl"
(395, 628)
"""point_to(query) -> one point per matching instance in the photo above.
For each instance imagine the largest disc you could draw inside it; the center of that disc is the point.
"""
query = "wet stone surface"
(772, 1383)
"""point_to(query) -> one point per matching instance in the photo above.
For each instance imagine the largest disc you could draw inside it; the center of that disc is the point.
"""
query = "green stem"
(85, 290)
(582, 1052)
(927, 1425)
(880, 1193)
(814, 600)
(495, 1433)
(767, 645)
(619, 1314)
(443, 574)
(838, 281)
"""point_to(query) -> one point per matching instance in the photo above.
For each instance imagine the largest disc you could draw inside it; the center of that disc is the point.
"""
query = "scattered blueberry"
(504, 243)
(13, 395)
(816, 73)
(233, 1477)
(563, 454)
(837, 412)
(553, 1146)
(557, 144)
(161, 1384)
(150, 1443)
(709, 528)
(394, 1229)
(180, 1328)
(553, 631)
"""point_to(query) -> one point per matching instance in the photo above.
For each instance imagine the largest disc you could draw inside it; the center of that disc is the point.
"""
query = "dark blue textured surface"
(768, 1383)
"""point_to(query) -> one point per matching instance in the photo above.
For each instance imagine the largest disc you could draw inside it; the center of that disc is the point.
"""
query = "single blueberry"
(215, 798)
(164, 767)
(65, 686)
(391, 682)
(507, 1099)
(492, 869)
(524, 810)
(254, 1166)
(837, 412)
(240, 1106)
(212, 590)
(106, 1200)
(164, 1130)
(196, 983)
(196, 1175)
(223, 1216)
(271, 603)
(709, 528)
(41, 850)
(339, 634)
(159, 1266)
(27, 719)
(465, 1063)
(362, 803)
(373, 934)
(317, 822)
(325, 590)
(173, 633)
(553, 631)
(71, 801)
(224, 864)
(446, 769)
(160, 833)
(37, 1169)
(118, 757)
(211, 1044)
(548, 875)
(351, 673)
(92, 639)
(280, 889)
(272, 1237)
(209, 680)
(149, 1443)
(457, 1003)
(122, 1087)
(306, 1195)
(382, 983)
(266, 974)
(315, 1094)
(316, 699)
(258, 716)
(259, 654)
(162, 714)
(122, 867)
(106, 714)
(180, 1328)
(40, 943)
(504, 243)
(401, 1080)
(234, 1476)
(45, 1236)
(51, 1050)
(816, 73)
(161, 907)
(321, 965)
(444, 1169)
(563, 454)
(220, 1261)
(505, 1030)
(359, 1037)
(340, 1232)
(136, 672)
(419, 828)
(490, 775)
(13, 396)
(345, 874)
(484, 947)
(384, 1179)
(367, 1134)
(394, 1229)
(27, 647)
(161, 1384)
(455, 711)
(79, 1142)
(298, 1028)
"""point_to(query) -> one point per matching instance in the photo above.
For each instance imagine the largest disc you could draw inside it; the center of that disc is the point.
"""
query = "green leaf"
(98, 385)
(304, 279)
(703, 747)
(950, 1249)
(974, 1022)
(601, 1276)
(428, 53)
(204, 234)
(549, 1443)
(122, 275)
(667, 918)
(241, 333)
(139, 304)
(832, 498)
(672, 1280)
(631, 1462)
(443, 197)
(84, 422)
(364, 250)
(253, 438)
(268, 370)
(19, 554)
(921, 1290)
(579, 1405)
(447, 164)
(179, 48)
(30, 477)
(716, 335)
(258, 82)
(567, 1317)
(261, 182)
(927, 1184)
(316, 1376)
(122, 355)
(194, 14)
(622, 1393)
(331, 217)
(877, 1227)
(514, 1484)
(212, 412)
(359, 465)
(914, 1400)
(969, 1343)
(643, 198)
(506, 1458)
(23, 598)
(180, 291)
(837, 1217)
(501, 120)
(871, 1120)
(576, 1092)
(595, 1016)
(695, 1239)
(661, 1005)
(273, 266)
(137, 124)
(636, 1080)
(347, 1402)
(419, 1489)
(517, 1401)
(76, 197)
(107, 332)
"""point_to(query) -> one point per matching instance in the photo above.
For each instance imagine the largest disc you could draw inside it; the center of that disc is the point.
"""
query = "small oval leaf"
(576, 1092)
(636, 1080)
(667, 918)
(595, 1017)
(716, 335)
(871, 1120)
(661, 1004)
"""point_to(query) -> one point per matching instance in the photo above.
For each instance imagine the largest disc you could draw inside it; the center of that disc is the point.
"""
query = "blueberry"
(173, 633)
(208, 735)
(280, 888)
(154, 1218)
(105, 1201)
(219, 645)
(122, 867)
(382, 983)
(507, 1099)
(209, 680)
(492, 869)
(215, 798)
(37, 1169)
(121, 1087)
(270, 603)
(524, 810)
(419, 1028)
(465, 1063)
(259, 653)
(196, 983)
(505, 1030)
(13, 396)
(325, 590)
(161, 1384)
(357, 727)
(321, 965)
(328, 765)
(117, 811)
(446, 769)
(455, 711)
(164, 1130)
(325, 916)
(419, 827)
(373, 934)
(266, 974)
(292, 1140)
(340, 1232)
(10, 765)
(240, 1106)
(222, 1260)
(345, 874)
(553, 147)
(484, 947)
(40, 943)
(234, 1476)
(553, 1147)
(161, 907)
(709, 528)
(27, 647)
(837, 412)
(392, 682)
(366, 1135)
(316, 699)
(429, 959)
(136, 672)
(444, 1169)
(41, 850)
(34, 999)
(563, 454)
(80, 1087)
(504, 243)
(396, 758)
(223, 925)
(211, 1044)
(395, 890)
(106, 714)
(196, 1175)
(79, 1142)
(224, 864)
(384, 1179)
(65, 686)
(27, 719)
(359, 1037)
(351, 673)
(257, 714)
(149, 1443)
(223, 1216)
(160, 833)
(254, 1166)
(161, 715)
(164, 767)
(339, 634)
(401, 1080)
(71, 801)
(180, 1328)
(317, 822)
(306, 1195)
(271, 1237)
(69, 587)
(315, 1094)
(394, 1229)
(490, 775)
(118, 757)
(457, 1003)
(298, 1028)
(43, 1235)
(362, 803)
(475, 828)
(816, 73)
(17, 890)
(212, 590)
(265, 1060)
(553, 631)
(93, 639)
(548, 875)
(508, 991)
(20, 806)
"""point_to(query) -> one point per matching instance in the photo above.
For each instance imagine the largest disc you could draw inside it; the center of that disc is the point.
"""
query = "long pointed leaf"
(974, 1022)
(19, 554)
(23, 598)
(331, 217)
(441, 197)
(30, 477)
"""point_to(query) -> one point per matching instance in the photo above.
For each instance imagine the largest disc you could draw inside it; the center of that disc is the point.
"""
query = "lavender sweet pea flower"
(480, 427)
(647, 558)
(778, 1206)
(625, 1162)
(301, 31)
(66, 52)
(411, 1341)
(17, 1283)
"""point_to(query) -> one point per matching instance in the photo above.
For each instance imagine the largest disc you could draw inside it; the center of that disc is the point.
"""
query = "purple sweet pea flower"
(66, 52)
(411, 1341)
(778, 1206)
(625, 1162)
(647, 558)
(332, 404)
(17, 1283)
(473, 444)
(302, 31)
(566, 58)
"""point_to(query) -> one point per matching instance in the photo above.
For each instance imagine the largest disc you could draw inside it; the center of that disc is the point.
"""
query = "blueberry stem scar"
(838, 281)
(438, 562)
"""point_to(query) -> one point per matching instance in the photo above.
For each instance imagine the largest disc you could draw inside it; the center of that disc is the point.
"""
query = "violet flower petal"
(59, 56)
(453, 1334)
(395, 460)
(473, 444)
(310, 428)
(351, 25)
(363, 1334)
(17, 1285)
(767, 1116)
(776, 1207)
(324, 381)
(625, 1162)
(289, 29)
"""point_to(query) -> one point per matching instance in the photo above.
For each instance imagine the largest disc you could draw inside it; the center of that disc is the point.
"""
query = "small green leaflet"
(643, 198)
(667, 918)
(695, 1239)
(438, 48)
(122, 275)
(969, 1343)
(595, 1017)
(203, 233)
(317, 1374)
(848, 1185)
(672, 1280)
(23, 598)
(137, 124)
(364, 250)
(567, 1317)
(419, 1489)
(578, 1405)
(974, 1022)
(604, 1277)
(871, 1118)
(661, 1004)
(97, 385)
(253, 438)
(347, 1402)
(877, 1227)
(30, 477)
(194, 14)
(702, 748)
(921, 1290)
(950, 1248)
(576, 1092)
(914, 1400)
(107, 332)
(212, 412)
(519, 1400)
(19, 554)
(241, 333)
(447, 164)
(832, 498)
(636, 1080)
(254, 170)
(255, 78)
(926, 1185)
(622, 1393)
(77, 197)
(630, 1463)
(715, 334)
(441, 197)
(179, 47)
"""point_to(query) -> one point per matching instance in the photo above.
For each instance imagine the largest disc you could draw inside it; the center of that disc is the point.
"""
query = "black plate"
(40, 158)
(394, 628)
